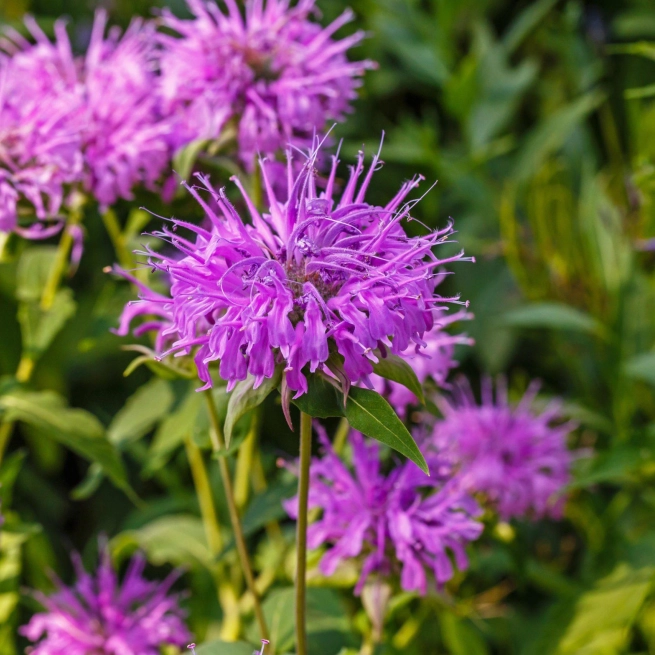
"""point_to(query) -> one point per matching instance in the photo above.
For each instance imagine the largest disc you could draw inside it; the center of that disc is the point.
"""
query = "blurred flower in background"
(277, 74)
(99, 616)
(514, 455)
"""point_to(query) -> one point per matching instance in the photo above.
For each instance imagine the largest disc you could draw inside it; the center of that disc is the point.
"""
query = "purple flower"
(313, 276)
(435, 360)
(515, 456)
(39, 139)
(404, 519)
(275, 73)
(99, 616)
(112, 92)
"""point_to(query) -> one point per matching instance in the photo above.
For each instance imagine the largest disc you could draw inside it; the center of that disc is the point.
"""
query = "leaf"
(76, 429)
(92, 480)
(603, 615)
(641, 367)
(39, 327)
(172, 430)
(219, 647)
(368, 412)
(397, 369)
(177, 539)
(185, 158)
(552, 133)
(552, 315)
(527, 20)
(460, 637)
(244, 397)
(33, 271)
(142, 411)
(322, 400)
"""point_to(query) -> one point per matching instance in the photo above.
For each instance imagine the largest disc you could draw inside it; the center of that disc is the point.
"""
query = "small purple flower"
(515, 456)
(99, 616)
(404, 518)
(123, 138)
(39, 140)
(274, 71)
(316, 275)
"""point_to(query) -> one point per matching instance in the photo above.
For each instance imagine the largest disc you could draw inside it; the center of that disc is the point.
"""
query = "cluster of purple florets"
(112, 119)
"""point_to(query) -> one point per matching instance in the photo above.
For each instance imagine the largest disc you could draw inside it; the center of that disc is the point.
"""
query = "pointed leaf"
(553, 315)
(398, 370)
(245, 397)
(322, 400)
(368, 412)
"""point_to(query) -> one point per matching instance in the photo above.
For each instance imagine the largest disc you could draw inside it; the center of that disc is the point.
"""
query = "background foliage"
(537, 120)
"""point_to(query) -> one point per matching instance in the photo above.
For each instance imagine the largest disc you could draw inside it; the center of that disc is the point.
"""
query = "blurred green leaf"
(226, 648)
(603, 615)
(397, 369)
(244, 398)
(76, 429)
(525, 22)
(460, 637)
(33, 270)
(552, 133)
(368, 412)
(641, 367)
(185, 158)
(554, 316)
(39, 327)
(142, 411)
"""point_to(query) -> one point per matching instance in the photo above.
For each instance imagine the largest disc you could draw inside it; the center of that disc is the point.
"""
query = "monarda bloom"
(514, 455)
(40, 145)
(99, 616)
(273, 72)
(124, 139)
(404, 520)
(321, 277)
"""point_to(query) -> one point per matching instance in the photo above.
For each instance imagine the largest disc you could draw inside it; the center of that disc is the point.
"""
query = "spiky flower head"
(322, 281)
(402, 520)
(514, 454)
(122, 134)
(100, 616)
(274, 72)
(39, 139)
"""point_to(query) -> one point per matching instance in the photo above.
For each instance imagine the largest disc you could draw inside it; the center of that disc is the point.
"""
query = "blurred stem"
(5, 433)
(245, 463)
(205, 500)
(341, 435)
(218, 444)
(25, 368)
(117, 237)
(256, 185)
(60, 265)
(301, 535)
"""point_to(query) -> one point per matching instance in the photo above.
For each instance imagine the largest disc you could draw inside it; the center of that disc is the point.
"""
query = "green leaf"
(244, 397)
(76, 429)
(552, 315)
(322, 400)
(551, 134)
(460, 637)
(33, 271)
(397, 369)
(603, 615)
(142, 411)
(219, 647)
(185, 158)
(39, 327)
(92, 480)
(177, 539)
(368, 412)
(527, 20)
(641, 367)
(172, 431)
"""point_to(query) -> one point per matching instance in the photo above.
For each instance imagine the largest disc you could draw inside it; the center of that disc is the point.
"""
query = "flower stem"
(60, 265)
(5, 433)
(301, 535)
(117, 238)
(218, 444)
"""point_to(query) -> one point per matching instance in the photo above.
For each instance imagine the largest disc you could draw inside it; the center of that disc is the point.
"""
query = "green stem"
(218, 444)
(341, 435)
(60, 265)
(117, 237)
(5, 434)
(301, 534)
